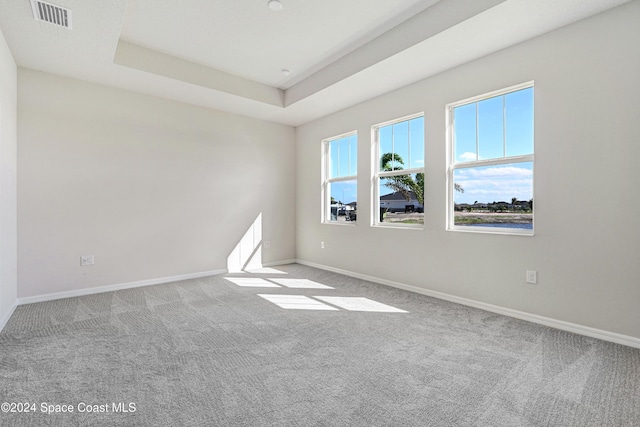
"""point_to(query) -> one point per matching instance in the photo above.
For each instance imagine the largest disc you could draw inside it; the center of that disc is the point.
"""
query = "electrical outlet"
(86, 260)
(266, 244)
(322, 245)
(532, 276)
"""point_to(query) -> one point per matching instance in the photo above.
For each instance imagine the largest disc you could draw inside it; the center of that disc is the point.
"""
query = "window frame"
(377, 174)
(452, 165)
(327, 180)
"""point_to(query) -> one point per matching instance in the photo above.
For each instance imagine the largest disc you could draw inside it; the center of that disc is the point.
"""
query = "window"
(491, 162)
(399, 172)
(339, 186)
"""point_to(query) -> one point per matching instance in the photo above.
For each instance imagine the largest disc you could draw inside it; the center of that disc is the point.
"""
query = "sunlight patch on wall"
(247, 255)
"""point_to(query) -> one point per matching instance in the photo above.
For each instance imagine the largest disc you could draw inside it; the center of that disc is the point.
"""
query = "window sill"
(399, 226)
(340, 223)
(492, 230)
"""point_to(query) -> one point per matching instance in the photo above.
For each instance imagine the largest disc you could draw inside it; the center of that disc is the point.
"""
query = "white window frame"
(377, 174)
(452, 166)
(326, 181)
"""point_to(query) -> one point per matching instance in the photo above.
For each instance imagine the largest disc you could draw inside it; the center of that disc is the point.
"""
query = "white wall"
(8, 230)
(152, 188)
(587, 136)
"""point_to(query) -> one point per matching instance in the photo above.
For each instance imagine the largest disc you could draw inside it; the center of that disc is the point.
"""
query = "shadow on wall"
(247, 254)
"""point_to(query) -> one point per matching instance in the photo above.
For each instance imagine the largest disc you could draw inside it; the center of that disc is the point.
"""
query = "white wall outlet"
(322, 245)
(532, 276)
(266, 244)
(86, 260)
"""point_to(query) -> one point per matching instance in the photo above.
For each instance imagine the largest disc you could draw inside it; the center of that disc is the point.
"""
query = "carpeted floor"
(216, 352)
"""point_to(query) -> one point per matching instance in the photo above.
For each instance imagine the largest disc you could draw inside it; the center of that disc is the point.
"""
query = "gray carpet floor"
(211, 352)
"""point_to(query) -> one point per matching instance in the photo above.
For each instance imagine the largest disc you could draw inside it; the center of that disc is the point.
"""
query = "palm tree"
(404, 183)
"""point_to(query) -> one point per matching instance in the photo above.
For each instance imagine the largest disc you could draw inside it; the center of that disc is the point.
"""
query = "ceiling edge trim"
(432, 21)
(148, 60)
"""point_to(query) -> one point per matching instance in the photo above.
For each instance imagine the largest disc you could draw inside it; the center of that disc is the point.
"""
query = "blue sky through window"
(344, 191)
(490, 127)
(519, 123)
(494, 128)
(343, 156)
(405, 139)
(416, 133)
(401, 143)
(501, 126)
(499, 183)
(341, 185)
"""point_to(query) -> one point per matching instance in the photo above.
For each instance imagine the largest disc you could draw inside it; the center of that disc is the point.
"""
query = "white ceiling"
(228, 54)
(248, 39)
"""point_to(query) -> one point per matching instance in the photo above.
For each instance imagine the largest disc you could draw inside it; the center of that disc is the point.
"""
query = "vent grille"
(51, 13)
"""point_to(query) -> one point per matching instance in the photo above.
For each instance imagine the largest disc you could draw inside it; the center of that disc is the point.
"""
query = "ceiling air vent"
(51, 13)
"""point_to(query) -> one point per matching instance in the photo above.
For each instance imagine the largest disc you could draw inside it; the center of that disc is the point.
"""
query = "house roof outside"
(398, 195)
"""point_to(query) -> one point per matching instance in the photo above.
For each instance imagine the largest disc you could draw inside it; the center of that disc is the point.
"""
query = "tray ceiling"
(229, 54)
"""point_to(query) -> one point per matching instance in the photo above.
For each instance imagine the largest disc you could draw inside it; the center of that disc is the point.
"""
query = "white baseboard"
(534, 318)
(129, 285)
(283, 262)
(111, 288)
(5, 319)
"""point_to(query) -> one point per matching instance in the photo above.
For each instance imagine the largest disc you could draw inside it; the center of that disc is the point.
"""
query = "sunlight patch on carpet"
(296, 302)
(360, 304)
(264, 270)
(300, 284)
(252, 282)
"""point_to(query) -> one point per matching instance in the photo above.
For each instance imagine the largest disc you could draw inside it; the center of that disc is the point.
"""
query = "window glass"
(519, 123)
(343, 157)
(385, 141)
(353, 155)
(495, 196)
(491, 169)
(401, 144)
(401, 199)
(342, 197)
(490, 127)
(333, 155)
(416, 138)
(339, 189)
(399, 192)
(465, 133)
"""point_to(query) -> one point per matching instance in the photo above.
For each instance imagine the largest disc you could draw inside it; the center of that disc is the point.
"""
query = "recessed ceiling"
(246, 38)
(229, 54)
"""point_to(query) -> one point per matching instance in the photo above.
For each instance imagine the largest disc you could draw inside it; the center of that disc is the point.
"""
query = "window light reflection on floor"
(360, 304)
(264, 270)
(296, 302)
(301, 284)
(252, 282)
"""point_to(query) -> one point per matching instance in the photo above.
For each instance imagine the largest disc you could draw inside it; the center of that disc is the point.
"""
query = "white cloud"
(494, 183)
(467, 157)
(499, 172)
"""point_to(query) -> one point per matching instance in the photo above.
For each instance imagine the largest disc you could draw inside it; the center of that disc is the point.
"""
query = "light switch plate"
(532, 276)
(86, 260)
